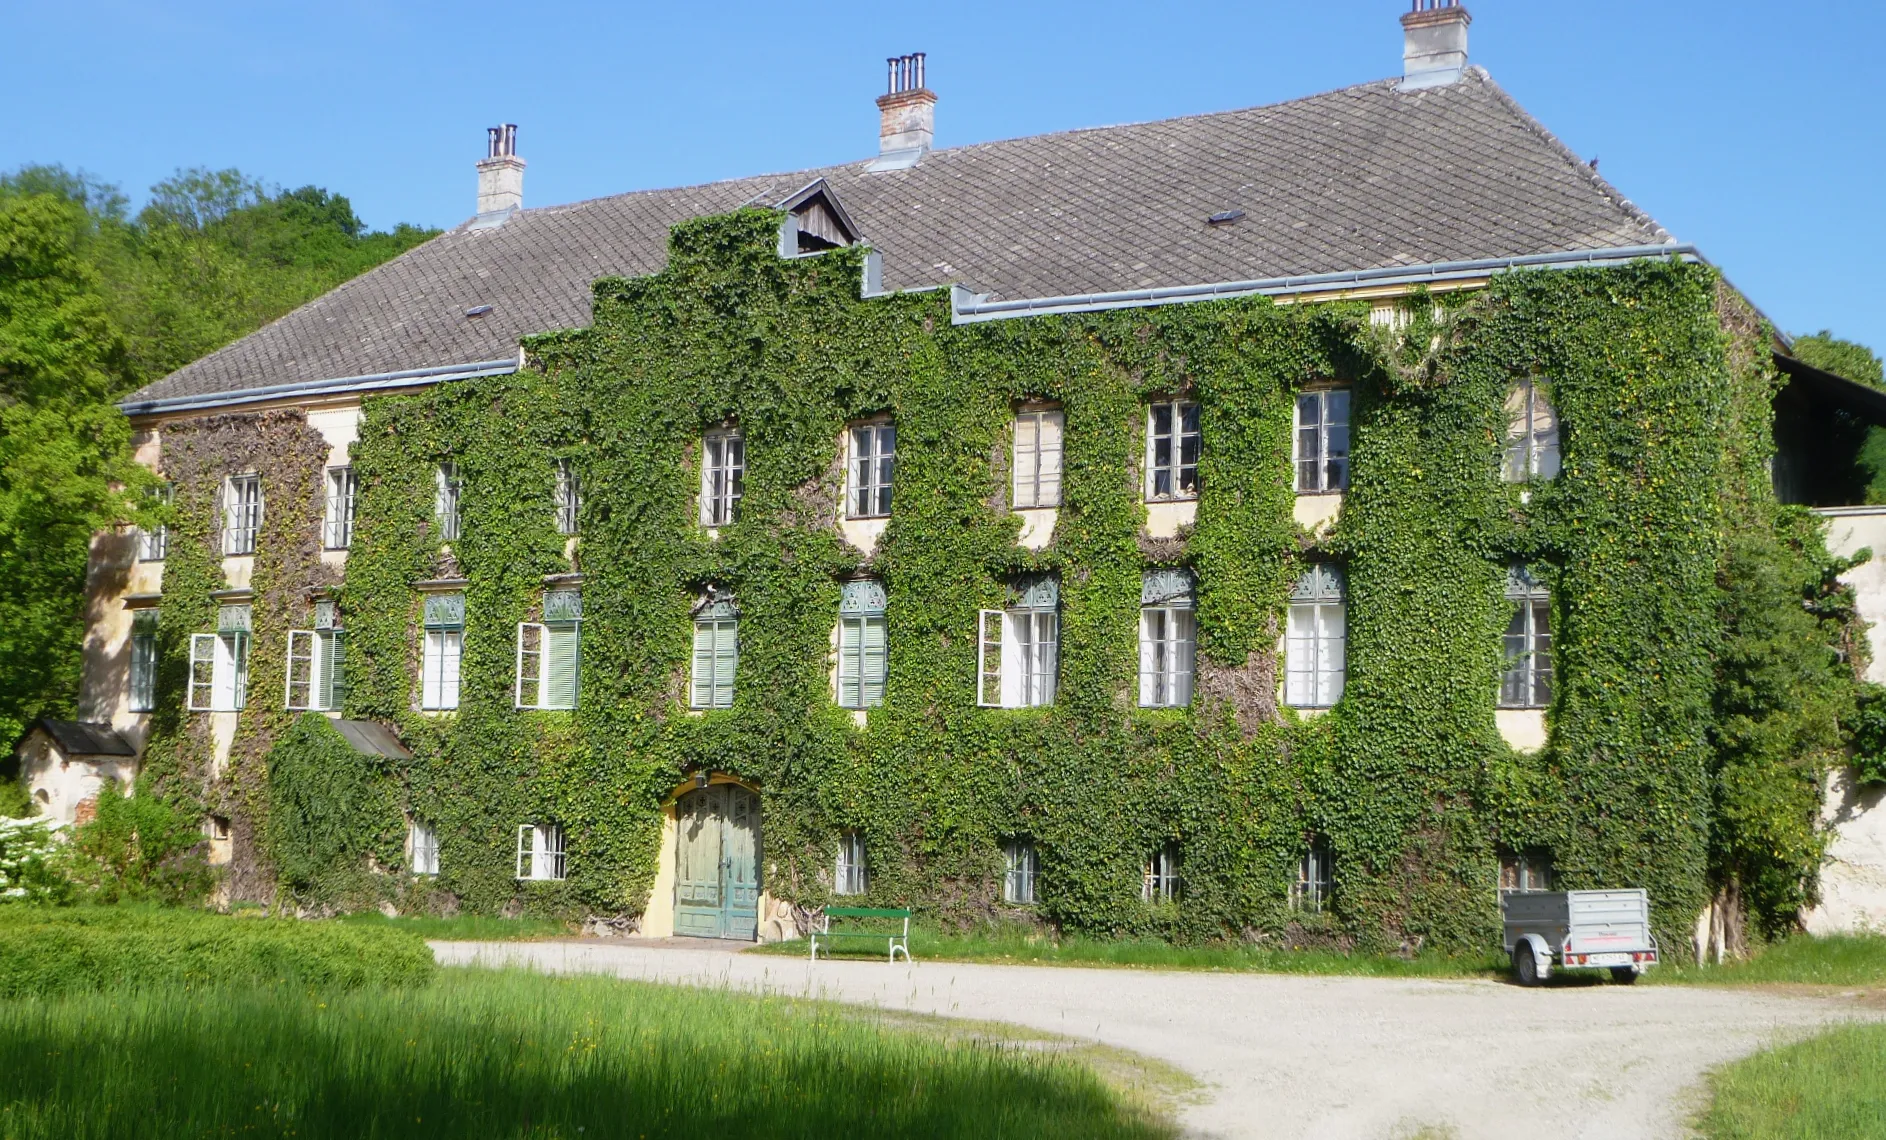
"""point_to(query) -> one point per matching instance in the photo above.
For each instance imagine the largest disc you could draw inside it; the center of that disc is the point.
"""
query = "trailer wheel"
(1623, 975)
(1525, 966)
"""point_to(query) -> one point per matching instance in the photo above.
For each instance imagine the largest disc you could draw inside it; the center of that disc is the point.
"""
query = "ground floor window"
(422, 849)
(1019, 870)
(849, 877)
(1161, 881)
(540, 851)
(1316, 880)
(1524, 872)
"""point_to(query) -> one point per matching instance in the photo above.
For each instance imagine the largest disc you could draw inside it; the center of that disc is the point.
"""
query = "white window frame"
(1168, 655)
(540, 854)
(1036, 464)
(1021, 867)
(1179, 476)
(1315, 883)
(851, 872)
(723, 476)
(219, 671)
(539, 645)
(708, 689)
(1316, 642)
(1162, 879)
(1532, 435)
(337, 531)
(873, 470)
(154, 545)
(568, 497)
(422, 849)
(1527, 644)
(242, 513)
(1316, 446)
(141, 679)
(1018, 657)
(863, 660)
(446, 492)
(313, 681)
(442, 652)
(1529, 872)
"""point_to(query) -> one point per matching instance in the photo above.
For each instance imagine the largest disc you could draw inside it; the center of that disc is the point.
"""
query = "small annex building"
(693, 661)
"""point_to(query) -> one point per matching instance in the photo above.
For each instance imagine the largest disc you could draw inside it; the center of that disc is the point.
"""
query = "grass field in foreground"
(1830, 1087)
(466, 927)
(478, 1054)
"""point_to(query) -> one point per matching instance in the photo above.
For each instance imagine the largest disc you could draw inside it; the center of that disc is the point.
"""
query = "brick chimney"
(1435, 50)
(906, 115)
(500, 174)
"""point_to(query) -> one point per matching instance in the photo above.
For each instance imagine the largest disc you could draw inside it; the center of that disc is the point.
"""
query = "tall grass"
(465, 927)
(1829, 960)
(1830, 1087)
(51, 950)
(482, 1054)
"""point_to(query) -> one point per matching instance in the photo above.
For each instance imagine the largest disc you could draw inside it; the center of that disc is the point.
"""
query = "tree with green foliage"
(1829, 353)
(64, 457)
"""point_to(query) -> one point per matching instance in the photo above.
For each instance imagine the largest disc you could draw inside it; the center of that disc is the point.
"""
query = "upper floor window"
(723, 471)
(242, 513)
(873, 459)
(1019, 870)
(154, 544)
(219, 663)
(1168, 639)
(445, 500)
(716, 652)
(863, 649)
(540, 852)
(1316, 879)
(568, 496)
(1019, 652)
(1526, 872)
(1037, 459)
(422, 849)
(549, 654)
(1526, 681)
(441, 651)
(1314, 650)
(1160, 881)
(849, 875)
(338, 534)
(143, 695)
(1532, 435)
(1322, 440)
(1172, 442)
(317, 676)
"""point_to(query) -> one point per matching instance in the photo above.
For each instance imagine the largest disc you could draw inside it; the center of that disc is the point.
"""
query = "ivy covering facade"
(1698, 688)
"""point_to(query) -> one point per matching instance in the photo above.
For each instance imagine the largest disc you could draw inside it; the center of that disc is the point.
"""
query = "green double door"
(717, 863)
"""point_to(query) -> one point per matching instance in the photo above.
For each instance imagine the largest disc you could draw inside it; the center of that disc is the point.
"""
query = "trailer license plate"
(1608, 959)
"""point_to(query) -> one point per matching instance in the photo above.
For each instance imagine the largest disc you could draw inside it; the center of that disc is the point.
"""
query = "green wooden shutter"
(874, 660)
(703, 696)
(562, 651)
(850, 674)
(726, 661)
(330, 686)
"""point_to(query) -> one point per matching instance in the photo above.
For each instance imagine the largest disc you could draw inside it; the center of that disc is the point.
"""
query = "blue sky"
(1748, 128)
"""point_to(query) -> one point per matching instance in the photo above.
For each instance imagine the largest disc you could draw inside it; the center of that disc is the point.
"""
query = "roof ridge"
(1544, 133)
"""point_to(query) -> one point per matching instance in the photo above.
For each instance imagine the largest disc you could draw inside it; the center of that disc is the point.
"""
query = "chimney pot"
(1434, 50)
(906, 115)
(500, 173)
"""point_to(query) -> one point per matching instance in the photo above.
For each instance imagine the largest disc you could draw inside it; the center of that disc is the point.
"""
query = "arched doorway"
(717, 863)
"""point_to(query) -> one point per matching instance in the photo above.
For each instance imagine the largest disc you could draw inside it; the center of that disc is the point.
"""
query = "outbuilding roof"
(1366, 177)
(84, 738)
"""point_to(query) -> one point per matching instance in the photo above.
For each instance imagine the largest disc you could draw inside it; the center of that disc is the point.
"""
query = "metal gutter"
(339, 386)
(967, 307)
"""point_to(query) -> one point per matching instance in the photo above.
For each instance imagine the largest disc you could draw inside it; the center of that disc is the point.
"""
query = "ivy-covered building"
(1301, 522)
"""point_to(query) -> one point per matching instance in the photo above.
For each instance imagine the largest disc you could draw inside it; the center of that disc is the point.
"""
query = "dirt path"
(1324, 1058)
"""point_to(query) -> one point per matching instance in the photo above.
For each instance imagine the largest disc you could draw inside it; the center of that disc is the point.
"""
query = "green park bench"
(865, 930)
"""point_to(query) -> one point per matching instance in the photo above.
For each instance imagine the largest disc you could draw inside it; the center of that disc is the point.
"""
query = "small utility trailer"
(1578, 930)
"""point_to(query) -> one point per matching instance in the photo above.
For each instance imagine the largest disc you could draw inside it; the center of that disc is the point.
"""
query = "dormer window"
(815, 222)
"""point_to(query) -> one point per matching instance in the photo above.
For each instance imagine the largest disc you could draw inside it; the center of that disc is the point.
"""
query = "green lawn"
(467, 927)
(1834, 960)
(1830, 1087)
(1021, 947)
(478, 1054)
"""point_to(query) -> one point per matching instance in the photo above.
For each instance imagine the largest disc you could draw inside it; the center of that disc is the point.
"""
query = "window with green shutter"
(863, 649)
(549, 654)
(716, 652)
(316, 663)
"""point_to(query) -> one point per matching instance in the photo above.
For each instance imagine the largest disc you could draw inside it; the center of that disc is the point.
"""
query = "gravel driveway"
(1285, 1057)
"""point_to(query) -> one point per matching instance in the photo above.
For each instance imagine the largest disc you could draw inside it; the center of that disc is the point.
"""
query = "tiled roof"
(1362, 178)
(85, 738)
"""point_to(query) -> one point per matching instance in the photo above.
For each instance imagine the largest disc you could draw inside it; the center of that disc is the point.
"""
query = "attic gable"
(815, 222)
